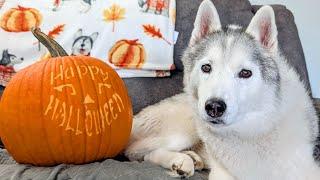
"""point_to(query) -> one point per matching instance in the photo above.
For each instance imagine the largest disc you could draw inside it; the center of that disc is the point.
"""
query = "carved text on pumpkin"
(66, 73)
(95, 120)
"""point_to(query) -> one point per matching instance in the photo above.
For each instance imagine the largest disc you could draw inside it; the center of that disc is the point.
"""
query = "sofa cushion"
(147, 91)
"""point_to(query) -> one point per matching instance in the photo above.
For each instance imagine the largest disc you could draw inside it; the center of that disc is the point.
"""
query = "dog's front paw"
(182, 166)
(197, 160)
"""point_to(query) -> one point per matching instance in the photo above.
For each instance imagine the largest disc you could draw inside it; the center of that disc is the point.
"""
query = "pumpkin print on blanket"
(20, 19)
(127, 54)
(70, 109)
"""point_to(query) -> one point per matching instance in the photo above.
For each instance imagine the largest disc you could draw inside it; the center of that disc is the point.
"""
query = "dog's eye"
(206, 68)
(244, 73)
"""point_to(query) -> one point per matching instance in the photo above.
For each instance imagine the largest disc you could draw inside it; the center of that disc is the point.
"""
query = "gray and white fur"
(8, 59)
(242, 102)
(83, 44)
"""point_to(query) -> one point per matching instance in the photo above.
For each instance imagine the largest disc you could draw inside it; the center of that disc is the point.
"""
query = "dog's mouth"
(82, 51)
(216, 122)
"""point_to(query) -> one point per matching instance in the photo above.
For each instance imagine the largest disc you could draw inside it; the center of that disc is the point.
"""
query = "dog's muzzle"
(215, 109)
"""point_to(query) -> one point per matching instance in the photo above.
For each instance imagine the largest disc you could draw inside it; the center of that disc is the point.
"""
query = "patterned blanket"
(135, 37)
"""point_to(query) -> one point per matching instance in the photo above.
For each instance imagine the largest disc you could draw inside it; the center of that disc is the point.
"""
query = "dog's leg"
(161, 131)
(180, 164)
(218, 172)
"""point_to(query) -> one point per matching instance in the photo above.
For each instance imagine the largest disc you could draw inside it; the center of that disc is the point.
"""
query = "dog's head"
(10, 59)
(231, 72)
(82, 45)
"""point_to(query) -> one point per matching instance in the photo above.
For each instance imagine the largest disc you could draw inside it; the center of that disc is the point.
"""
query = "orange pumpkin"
(127, 54)
(20, 19)
(70, 109)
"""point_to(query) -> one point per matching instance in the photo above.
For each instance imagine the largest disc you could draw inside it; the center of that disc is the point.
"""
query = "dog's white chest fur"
(246, 161)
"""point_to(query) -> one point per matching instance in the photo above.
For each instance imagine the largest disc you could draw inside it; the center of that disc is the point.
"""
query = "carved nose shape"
(88, 100)
(215, 107)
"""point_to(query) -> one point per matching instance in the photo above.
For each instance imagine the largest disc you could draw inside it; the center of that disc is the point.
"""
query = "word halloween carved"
(92, 116)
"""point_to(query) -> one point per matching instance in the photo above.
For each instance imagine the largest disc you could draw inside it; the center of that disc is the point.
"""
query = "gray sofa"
(147, 91)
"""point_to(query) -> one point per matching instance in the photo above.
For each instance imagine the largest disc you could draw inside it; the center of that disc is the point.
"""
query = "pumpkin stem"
(132, 42)
(53, 47)
(21, 8)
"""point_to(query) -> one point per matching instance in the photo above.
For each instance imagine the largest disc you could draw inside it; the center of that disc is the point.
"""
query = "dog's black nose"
(215, 107)
(21, 59)
(82, 45)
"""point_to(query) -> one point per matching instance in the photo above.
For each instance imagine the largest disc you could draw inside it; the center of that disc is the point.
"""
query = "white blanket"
(135, 37)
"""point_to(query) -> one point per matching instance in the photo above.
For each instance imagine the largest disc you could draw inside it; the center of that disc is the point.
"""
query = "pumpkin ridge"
(110, 129)
(91, 158)
(4, 126)
(74, 60)
(23, 78)
(52, 157)
(57, 62)
(125, 59)
(24, 23)
(5, 18)
(142, 56)
(114, 86)
(12, 24)
(100, 153)
(117, 85)
(37, 16)
(134, 58)
(121, 60)
(66, 136)
(114, 49)
(17, 23)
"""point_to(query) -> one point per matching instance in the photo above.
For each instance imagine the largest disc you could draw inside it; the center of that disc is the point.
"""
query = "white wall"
(307, 17)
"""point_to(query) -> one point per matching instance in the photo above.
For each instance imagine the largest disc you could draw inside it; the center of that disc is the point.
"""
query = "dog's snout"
(82, 45)
(21, 59)
(215, 107)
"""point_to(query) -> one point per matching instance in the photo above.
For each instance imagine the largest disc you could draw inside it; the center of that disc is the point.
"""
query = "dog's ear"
(207, 21)
(264, 29)
(5, 52)
(78, 34)
(94, 36)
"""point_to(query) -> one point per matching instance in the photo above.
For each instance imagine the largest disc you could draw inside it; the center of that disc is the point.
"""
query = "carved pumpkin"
(70, 109)
(127, 54)
(20, 19)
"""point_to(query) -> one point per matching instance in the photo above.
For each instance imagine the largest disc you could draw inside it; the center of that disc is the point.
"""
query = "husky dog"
(82, 44)
(9, 60)
(85, 3)
(242, 100)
